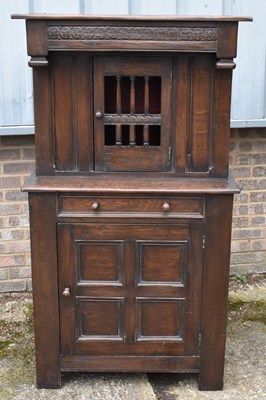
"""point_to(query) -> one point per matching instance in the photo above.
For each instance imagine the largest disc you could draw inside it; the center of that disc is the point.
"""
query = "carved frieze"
(129, 119)
(138, 33)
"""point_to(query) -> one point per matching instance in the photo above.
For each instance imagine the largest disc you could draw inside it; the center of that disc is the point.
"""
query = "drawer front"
(112, 205)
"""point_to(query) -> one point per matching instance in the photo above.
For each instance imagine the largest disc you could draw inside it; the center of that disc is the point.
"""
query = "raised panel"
(160, 319)
(100, 319)
(161, 263)
(100, 262)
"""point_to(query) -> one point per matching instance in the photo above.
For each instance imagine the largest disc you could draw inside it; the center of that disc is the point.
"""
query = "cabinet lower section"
(130, 294)
(131, 288)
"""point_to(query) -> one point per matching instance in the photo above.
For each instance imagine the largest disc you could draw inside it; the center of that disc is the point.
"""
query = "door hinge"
(203, 242)
(169, 154)
(188, 162)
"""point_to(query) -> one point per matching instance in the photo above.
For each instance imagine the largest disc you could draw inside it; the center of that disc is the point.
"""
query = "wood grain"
(215, 289)
(45, 289)
(131, 206)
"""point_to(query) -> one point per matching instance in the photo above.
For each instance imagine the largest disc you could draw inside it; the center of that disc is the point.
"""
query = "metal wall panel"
(16, 99)
(149, 7)
(249, 82)
(106, 7)
(206, 7)
(249, 78)
(55, 6)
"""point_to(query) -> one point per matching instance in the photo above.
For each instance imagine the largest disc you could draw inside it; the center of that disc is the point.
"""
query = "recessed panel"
(100, 318)
(100, 262)
(161, 263)
(160, 319)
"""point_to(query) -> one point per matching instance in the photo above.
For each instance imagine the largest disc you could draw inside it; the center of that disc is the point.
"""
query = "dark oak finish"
(133, 312)
(131, 203)
(44, 140)
(45, 288)
(215, 288)
(110, 183)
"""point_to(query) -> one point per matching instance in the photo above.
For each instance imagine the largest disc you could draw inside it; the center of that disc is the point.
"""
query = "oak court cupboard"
(131, 203)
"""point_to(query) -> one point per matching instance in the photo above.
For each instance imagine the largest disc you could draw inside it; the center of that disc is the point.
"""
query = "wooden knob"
(166, 207)
(66, 292)
(95, 206)
(99, 115)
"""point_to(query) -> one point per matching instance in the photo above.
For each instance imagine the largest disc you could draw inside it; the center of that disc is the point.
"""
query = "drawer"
(115, 205)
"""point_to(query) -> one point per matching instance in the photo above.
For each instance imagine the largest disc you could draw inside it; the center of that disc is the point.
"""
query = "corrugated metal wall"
(249, 83)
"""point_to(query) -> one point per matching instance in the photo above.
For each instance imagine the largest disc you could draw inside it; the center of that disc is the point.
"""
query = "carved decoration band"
(139, 33)
(129, 119)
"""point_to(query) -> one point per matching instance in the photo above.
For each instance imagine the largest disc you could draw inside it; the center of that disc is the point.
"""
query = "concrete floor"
(245, 367)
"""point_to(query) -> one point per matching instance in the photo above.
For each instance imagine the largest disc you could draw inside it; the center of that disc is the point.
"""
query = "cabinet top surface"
(94, 17)
(123, 184)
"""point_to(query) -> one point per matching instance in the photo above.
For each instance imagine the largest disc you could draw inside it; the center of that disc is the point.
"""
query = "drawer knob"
(95, 206)
(166, 207)
(66, 292)
(99, 115)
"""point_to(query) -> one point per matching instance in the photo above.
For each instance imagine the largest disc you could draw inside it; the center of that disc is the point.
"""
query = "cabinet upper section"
(131, 33)
(132, 94)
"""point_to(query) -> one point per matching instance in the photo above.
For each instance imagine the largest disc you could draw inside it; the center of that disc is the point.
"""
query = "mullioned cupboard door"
(134, 289)
(142, 114)
(132, 109)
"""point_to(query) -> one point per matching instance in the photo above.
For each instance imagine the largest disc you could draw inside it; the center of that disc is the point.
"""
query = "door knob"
(99, 115)
(166, 207)
(95, 206)
(66, 292)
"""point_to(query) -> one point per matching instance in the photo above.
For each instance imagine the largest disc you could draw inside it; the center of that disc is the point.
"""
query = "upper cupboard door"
(132, 113)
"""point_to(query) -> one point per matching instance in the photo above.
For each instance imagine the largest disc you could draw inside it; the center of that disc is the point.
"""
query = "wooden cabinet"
(131, 203)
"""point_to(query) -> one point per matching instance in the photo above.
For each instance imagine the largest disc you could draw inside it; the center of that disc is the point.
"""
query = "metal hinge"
(188, 161)
(203, 242)
(169, 153)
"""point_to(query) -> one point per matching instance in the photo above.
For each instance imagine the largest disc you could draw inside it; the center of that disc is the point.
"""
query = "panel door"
(132, 113)
(133, 289)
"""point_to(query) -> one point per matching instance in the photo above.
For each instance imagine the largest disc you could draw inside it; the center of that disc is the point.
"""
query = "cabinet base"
(187, 364)
(202, 386)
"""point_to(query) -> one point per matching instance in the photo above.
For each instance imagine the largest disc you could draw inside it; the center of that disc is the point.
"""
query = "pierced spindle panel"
(132, 110)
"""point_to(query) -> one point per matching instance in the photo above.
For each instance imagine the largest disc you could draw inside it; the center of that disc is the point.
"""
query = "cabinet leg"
(50, 379)
(215, 291)
(205, 383)
(45, 289)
